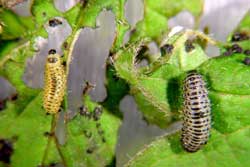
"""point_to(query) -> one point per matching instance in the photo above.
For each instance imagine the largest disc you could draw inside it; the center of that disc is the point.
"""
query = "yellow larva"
(54, 84)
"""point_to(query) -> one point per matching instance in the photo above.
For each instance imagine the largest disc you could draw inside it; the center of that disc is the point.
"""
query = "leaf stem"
(50, 137)
(68, 53)
(60, 152)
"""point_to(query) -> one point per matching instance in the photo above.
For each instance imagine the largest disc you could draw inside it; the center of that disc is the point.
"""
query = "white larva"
(197, 113)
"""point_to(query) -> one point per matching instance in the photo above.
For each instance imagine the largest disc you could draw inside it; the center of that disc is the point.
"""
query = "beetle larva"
(54, 84)
(197, 113)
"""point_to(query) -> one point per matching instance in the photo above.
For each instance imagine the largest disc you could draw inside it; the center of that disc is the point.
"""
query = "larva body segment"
(54, 84)
(197, 113)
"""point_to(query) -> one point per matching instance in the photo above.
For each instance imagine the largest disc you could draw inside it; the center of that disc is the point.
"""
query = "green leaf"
(244, 24)
(30, 128)
(155, 86)
(12, 68)
(241, 33)
(221, 150)
(227, 74)
(157, 89)
(25, 122)
(95, 150)
(228, 83)
(14, 26)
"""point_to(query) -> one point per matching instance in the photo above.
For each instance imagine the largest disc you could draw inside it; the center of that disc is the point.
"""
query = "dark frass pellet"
(6, 150)
(14, 97)
(236, 48)
(2, 104)
(247, 52)
(48, 134)
(166, 49)
(90, 150)
(228, 52)
(54, 22)
(239, 37)
(84, 112)
(246, 61)
(189, 46)
(52, 51)
(97, 113)
(65, 45)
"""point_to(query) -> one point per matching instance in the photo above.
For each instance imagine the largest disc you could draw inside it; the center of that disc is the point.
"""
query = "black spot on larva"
(6, 150)
(239, 36)
(236, 48)
(87, 134)
(103, 140)
(247, 52)
(166, 49)
(97, 113)
(2, 105)
(52, 60)
(54, 22)
(197, 114)
(52, 51)
(189, 45)
(246, 61)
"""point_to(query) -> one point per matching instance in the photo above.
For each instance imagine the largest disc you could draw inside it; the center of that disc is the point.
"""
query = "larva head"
(53, 59)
